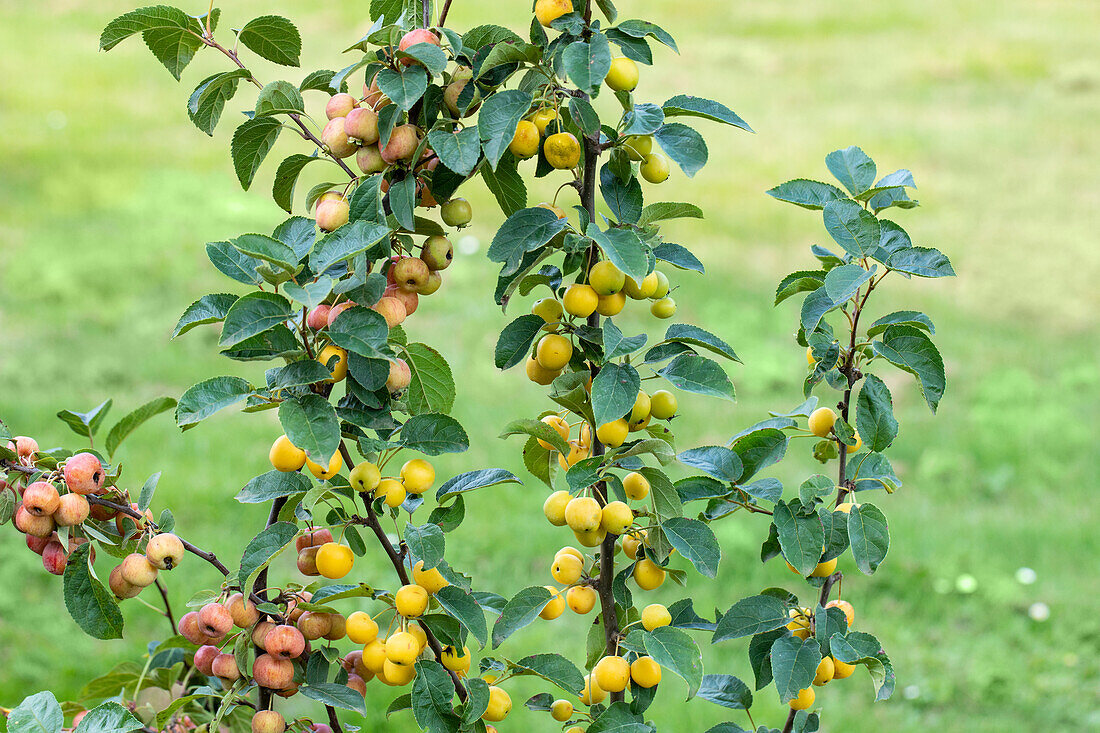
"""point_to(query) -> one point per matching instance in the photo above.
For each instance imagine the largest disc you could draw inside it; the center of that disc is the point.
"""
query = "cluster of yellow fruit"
(561, 149)
(605, 292)
(830, 668)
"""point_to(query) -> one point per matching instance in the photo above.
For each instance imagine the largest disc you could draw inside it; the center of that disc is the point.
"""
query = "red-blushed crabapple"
(72, 509)
(415, 36)
(332, 214)
(392, 309)
(293, 612)
(336, 310)
(408, 298)
(314, 625)
(243, 611)
(31, 524)
(336, 138)
(285, 642)
(289, 691)
(316, 538)
(215, 620)
(204, 658)
(128, 527)
(369, 159)
(260, 632)
(318, 317)
(268, 721)
(400, 376)
(164, 551)
(410, 273)
(188, 627)
(41, 499)
(307, 562)
(272, 672)
(339, 105)
(362, 124)
(320, 728)
(37, 544)
(404, 139)
(357, 683)
(102, 513)
(54, 558)
(23, 446)
(437, 253)
(137, 570)
(337, 627)
(84, 474)
(121, 588)
(225, 668)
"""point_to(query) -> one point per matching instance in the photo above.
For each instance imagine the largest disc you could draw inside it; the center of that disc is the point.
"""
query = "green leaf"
(434, 434)
(616, 345)
(624, 200)
(684, 145)
(253, 314)
(524, 231)
(432, 692)
(267, 249)
(130, 422)
(496, 123)
(794, 664)
(207, 309)
(619, 718)
(516, 339)
(840, 284)
(916, 319)
(459, 151)
(584, 114)
(806, 193)
(361, 331)
(539, 429)
(852, 227)
(911, 350)
(921, 261)
(714, 460)
(311, 424)
(91, 605)
(614, 390)
(334, 695)
(272, 485)
(726, 690)
(853, 168)
(465, 608)
(472, 480)
(425, 543)
(664, 210)
(587, 63)
(625, 250)
(202, 400)
(298, 374)
(110, 717)
(683, 105)
(206, 103)
(875, 417)
(233, 263)
(523, 608)
(86, 424)
(279, 97)
(869, 537)
(553, 668)
(508, 53)
(749, 616)
(696, 542)
(674, 649)
(263, 548)
(801, 538)
(346, 242)
(430, 55)
(38, 713)
(273, 38)
(683, 333)
(643, 119)
(678, 256)
(252, 141)
(172, 35)
(759, 449)
(799, 281)
(700, 375)
(286, 176)
(643, 28)
(432, 388)
(506, 185)
(404, 87)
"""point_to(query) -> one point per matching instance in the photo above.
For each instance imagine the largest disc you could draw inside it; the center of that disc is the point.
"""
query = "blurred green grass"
(109, 193)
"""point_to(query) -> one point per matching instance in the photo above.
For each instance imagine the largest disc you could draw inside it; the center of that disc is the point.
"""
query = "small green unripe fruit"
(437, 253)
(456, 213)
(655, 168)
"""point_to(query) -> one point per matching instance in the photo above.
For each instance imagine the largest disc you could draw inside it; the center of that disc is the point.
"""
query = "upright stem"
(167, 605)
(261, 585)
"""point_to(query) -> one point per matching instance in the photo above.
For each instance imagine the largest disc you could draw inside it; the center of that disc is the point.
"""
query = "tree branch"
(167, 604)
(333, 722)
(443, 14)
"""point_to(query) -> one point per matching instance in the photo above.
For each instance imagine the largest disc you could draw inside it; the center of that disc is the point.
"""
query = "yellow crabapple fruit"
(334, 560)
(365, 477)
(857, 446)
(663, 308)
(547, 11)
(800, 622)
(842, 670)
(642, 290)
(655, 168)
(592, 694)
(611, 305)
(538, 374)
(554, 507)
(554, 607)
(583, 514)
(553, 352)
(335, 463)
(663, 404)
(846, 507)
(631, 544)
(616, 517)
(825, 670)
(645, 672)
(591, 538)
(566, 569)
(361, 628)
(545, 117)
(417, 475)
(655, 615)
(580, 300)
(562, 150)
(402, 648)
(549, 310)
(411, 600)
(500, 704)
(605, 278)
(648, 574)
(284, 456)
(454, 660)
(803, 700)
(525, 141)
(636, 486)
(612, 673)
(561, 710)
(638, 146)
(581, 599)
(613, 434)
(848, 609)
(824, 569)
(663, 285)
(430, 580)
(559, 425)
(623, 75)
(821, 421)
(577, 452)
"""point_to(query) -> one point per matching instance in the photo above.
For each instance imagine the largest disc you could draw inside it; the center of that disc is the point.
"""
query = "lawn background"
(108, 194)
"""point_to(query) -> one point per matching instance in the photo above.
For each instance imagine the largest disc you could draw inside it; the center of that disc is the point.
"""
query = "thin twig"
(167, 604)
(443, 14)
(333, 722)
